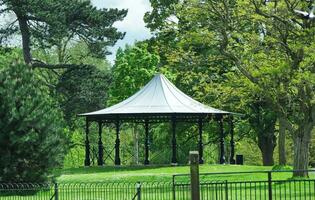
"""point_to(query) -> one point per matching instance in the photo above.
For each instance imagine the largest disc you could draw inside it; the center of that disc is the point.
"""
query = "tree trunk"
(301, 151)
(136, 145)
(26, 39)
(267, 144)
(281, 142)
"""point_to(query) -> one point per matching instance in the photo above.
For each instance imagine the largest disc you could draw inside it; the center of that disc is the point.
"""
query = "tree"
(32, 137)
(47, 24)
(190, 51)
(263, 121)
(134, 67)
(272, 47)
(83, 89)
(79, 89)
(269, 45)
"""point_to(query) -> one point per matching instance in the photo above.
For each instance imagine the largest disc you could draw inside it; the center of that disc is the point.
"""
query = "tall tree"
(263, 121)
(272, 47)
(83, 89)
(32, 135)
(134, 67)
(46, 24)
(190, 50)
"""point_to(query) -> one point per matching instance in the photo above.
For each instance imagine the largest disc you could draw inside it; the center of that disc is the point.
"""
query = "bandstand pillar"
(117, 144)
(87, 161)
(100, 161)
(222, 152)
(200, 143)
(232, 143)
(174, 145)
(146, 142)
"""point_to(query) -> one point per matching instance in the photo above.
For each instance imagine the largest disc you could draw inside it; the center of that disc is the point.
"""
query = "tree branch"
(260, 12)
(56, 66)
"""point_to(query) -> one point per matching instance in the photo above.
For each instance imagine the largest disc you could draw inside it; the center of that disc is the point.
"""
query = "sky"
(132, 24)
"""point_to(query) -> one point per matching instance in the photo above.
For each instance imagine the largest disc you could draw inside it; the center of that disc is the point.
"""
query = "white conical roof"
(159, 96)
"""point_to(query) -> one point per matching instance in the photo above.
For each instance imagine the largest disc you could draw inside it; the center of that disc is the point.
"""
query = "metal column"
(174, 145)
(200, 143)
(146, 143)
(100, 161)
(222, 152)
(117, 145)
(232, 143)
(87, 161)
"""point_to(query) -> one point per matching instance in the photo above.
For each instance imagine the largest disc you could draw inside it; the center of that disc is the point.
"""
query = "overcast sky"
(133, 23)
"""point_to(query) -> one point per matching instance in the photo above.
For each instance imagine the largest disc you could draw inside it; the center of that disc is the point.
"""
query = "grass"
(161, 173)
(159, 184)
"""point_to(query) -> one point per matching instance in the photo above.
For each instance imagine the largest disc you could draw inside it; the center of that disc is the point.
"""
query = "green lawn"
(160, 173)
(117, 183)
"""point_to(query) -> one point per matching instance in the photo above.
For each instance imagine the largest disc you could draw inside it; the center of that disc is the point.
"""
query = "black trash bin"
(239, 159)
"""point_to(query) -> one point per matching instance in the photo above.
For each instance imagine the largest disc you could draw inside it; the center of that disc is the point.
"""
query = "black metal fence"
(256, 185)
(213, 186)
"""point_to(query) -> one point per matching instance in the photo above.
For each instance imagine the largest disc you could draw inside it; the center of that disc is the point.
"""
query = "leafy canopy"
(134, 67)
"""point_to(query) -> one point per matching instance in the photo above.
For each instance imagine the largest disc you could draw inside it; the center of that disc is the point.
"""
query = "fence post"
(138, 191)
(194, 175)
(56, 191)
(269, 185)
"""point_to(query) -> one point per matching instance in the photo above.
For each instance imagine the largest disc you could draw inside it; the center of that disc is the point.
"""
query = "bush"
(32, 137)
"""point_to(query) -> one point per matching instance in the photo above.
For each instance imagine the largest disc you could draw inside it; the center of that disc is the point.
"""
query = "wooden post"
(194, 175)
(222, 156)
(100, 161)
(117, 145)
(87, 161)
(174, 145)
(200, 144)
(146, 143)
(232, 143)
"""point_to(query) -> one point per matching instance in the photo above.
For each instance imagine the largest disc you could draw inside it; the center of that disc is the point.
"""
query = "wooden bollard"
(194, 175)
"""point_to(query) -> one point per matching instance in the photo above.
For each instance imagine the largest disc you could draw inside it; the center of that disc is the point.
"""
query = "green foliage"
(83, 89)
(76, 154)
(191, 54)
(79, 53)
(33, 137)
(134, 67)
(160, 13)
(256, 44)
(9, 56)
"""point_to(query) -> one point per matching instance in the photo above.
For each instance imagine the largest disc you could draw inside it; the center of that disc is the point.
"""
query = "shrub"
(32, 133)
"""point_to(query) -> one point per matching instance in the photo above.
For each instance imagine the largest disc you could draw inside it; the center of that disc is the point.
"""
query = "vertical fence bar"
(138, 191)
(173, 188)
(269, 185)
(226, 190)
(56, 191)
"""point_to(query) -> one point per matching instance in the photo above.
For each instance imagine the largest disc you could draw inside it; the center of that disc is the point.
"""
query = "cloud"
(133, 23)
